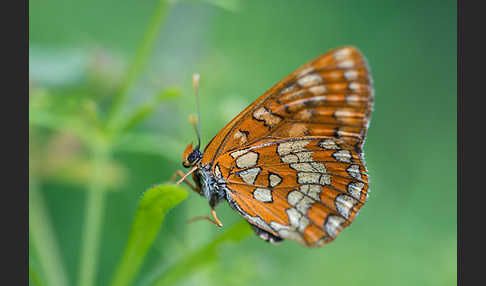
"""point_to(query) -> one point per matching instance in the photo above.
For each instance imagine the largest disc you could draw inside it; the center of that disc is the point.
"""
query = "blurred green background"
(84, 166)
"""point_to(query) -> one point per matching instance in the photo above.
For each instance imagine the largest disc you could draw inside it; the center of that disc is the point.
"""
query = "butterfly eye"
(193, 158)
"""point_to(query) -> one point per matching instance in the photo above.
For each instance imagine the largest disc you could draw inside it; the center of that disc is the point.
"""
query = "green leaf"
(155, 203)
(201, 257)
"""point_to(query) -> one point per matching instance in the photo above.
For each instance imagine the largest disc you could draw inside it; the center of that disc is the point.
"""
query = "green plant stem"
(139, 61)
(94, 212)
(42, 236)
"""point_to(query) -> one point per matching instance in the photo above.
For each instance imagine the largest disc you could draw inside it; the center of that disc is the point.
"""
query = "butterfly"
(291, 163)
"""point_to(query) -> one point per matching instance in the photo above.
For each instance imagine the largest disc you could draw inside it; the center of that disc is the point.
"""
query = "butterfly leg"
(180, 174)
(265, 235)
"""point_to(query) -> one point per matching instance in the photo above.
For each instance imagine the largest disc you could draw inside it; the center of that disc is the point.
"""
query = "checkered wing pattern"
(303, 189)
(292, 160)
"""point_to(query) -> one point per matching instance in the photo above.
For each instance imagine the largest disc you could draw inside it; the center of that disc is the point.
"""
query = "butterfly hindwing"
(304, 189)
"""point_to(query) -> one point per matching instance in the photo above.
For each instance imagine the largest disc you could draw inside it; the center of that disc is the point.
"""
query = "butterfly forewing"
(292, 161)
(329, 96)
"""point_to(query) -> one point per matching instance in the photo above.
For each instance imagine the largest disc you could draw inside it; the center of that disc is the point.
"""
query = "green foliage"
(195, 260)
(99, 132)
(43, 241)
(148, 219)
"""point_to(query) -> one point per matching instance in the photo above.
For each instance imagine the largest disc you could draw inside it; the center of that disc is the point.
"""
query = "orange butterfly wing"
(292, 160)
(329, 96)
(306, 189)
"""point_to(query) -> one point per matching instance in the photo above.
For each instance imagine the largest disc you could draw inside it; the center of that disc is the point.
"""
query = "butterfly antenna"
(197, 124)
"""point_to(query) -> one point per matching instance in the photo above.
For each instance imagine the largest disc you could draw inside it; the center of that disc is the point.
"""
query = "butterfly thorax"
(208, 186)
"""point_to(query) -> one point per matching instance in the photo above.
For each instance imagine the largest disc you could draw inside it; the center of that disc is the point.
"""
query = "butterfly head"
(191, 156)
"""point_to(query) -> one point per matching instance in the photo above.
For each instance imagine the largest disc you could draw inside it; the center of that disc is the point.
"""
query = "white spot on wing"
(297, 220)
(355, 189)
(302, 167)
(308, 178)
(291, 158)
(309, 167)
(263, 195)
(274, 180)
(310, 80)
(351, 75)
(319, 89)
(247, 160)
(238, 153)
(344, 205)
(342, 156)
(313, 191)
(325, 180)
(294, 197)
(352, 99)
(291, 147)
(333, 225)
(304, 204)
(343, 113)
(328, 144)
(249, 176)
(354, 171)
(342, 53)
(287, 232)
(354, 86)
(305, 156)
(319, 167)
(294, 216)
(263, 114)
(346, 64)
